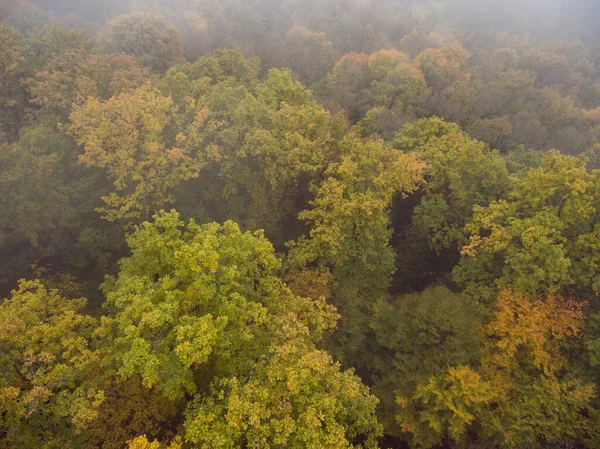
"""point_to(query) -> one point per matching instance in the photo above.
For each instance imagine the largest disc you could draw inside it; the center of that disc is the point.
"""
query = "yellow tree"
(77, 74)
(524, 395)
(540, 401)
(146, 145)
(48, 397)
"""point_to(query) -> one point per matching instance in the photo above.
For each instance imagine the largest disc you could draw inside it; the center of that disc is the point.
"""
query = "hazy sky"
(549, 16)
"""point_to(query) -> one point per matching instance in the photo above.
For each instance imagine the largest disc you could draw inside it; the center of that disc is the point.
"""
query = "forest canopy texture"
(303, 224)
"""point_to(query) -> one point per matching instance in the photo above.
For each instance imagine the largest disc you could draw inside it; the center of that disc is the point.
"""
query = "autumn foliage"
(248, 224)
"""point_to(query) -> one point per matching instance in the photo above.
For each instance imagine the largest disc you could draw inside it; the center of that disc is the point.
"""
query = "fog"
(554, 17)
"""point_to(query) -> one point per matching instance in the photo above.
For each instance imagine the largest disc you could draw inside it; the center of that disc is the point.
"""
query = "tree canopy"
(271, 224)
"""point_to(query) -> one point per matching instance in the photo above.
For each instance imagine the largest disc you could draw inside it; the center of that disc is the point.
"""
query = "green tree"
(218, 67)
(508, 94)
(386, 79)
(541, 239)
(349, 234)
(268, 140)
(491, 131)
(13, 68)
(40, 202)
(198, 312)
(308, 53)
(461, 173)
(442, 66)
(148, 37)
(52, 42)
(34, 197)
(442, 410)
(418, 336)
(396, 82)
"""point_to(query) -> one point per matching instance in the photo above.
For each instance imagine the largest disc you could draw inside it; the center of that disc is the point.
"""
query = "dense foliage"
(299, 224)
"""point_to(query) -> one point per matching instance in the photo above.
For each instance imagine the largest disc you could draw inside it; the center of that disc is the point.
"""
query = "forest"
(303, 224)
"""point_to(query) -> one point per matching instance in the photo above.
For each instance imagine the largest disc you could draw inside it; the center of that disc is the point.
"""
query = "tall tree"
(308, 53)
(146, 145)
(48, 394)
(349, 234)
(74, 76)
(461, 173)
(269, 139)
(13, 69)
(199, 313)
(416, 337)
(524, 395)
(149, 37)
(541, 239)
